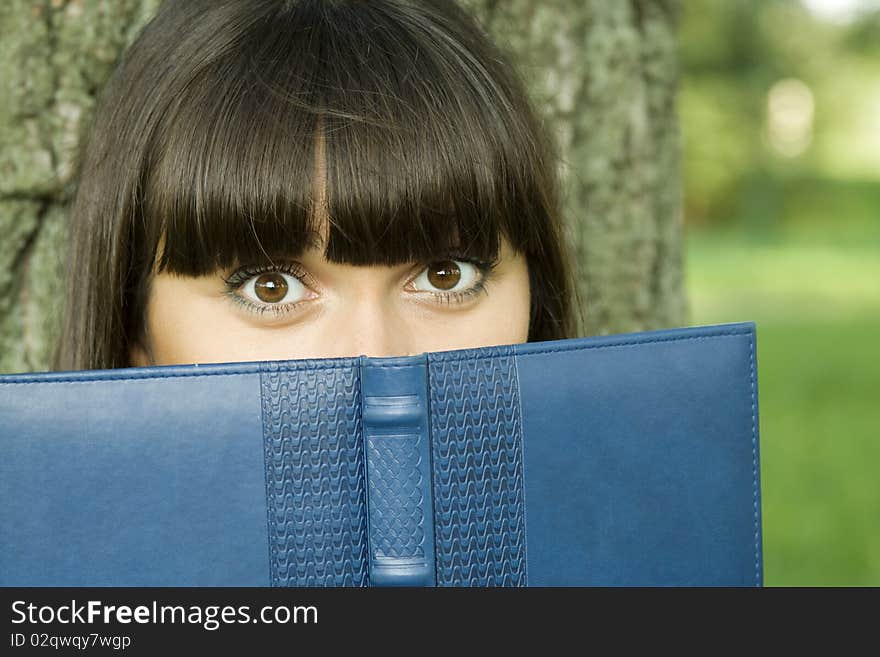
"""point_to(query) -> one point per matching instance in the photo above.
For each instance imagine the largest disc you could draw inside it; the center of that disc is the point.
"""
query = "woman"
(312, 178)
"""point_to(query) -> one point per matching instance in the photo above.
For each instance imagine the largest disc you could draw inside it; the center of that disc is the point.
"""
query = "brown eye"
(446, 278)
(444, 275)
(273, 289)
(270, 287)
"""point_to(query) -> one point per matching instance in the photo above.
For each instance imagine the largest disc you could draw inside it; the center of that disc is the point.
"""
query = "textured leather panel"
(646, 460)
(396, 487)
(151, 480)
(400, 516)
(315, 475)
(478, 468)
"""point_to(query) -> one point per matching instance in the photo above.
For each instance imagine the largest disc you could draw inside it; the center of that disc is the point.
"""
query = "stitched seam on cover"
(754, 456)
(522, 447)
(604, 346)
(272, 580)
(430, 439)
(147, 377)
(368, 538)
(438, 581)
(354, 364)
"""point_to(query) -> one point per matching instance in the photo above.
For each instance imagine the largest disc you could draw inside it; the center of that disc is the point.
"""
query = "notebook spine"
(398, 462)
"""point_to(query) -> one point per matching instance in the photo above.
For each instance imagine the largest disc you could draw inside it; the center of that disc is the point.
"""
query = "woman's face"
(340, 310)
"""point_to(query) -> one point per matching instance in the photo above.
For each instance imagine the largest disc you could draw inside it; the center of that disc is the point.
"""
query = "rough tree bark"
(604, 74)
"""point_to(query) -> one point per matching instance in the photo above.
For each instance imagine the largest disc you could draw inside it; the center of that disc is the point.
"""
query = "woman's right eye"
(274, 287)
(267, 290)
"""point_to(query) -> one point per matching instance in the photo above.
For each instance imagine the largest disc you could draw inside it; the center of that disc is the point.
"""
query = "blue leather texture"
(151, 480)
(478, 468)
(645, 459)
(315, 473)
(628, 459)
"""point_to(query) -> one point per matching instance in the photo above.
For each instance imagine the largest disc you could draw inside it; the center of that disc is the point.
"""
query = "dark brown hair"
(205, 139)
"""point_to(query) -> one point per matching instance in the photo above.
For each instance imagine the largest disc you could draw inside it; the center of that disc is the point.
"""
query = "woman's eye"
(277, 290)
(447, 276)
(274, 287)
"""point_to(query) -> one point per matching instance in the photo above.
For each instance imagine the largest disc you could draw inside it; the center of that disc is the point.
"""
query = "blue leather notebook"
(617, 460)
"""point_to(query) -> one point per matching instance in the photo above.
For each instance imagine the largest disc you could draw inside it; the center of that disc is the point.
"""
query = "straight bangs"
(367, 129)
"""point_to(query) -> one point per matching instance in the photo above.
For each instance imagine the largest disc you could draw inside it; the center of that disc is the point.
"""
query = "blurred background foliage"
(780, 114)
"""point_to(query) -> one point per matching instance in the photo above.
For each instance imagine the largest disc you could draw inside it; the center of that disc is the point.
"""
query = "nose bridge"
(370, 326)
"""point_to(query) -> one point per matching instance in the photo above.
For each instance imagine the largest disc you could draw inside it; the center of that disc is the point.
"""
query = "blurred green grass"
(817, 311)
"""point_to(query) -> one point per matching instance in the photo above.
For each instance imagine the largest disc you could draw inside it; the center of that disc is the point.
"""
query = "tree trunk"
(54, 57)
(604, 74)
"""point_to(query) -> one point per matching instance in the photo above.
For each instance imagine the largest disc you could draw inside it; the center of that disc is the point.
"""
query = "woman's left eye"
(452, 280)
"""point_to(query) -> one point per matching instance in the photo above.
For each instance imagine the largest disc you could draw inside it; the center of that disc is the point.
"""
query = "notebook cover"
(627, 459)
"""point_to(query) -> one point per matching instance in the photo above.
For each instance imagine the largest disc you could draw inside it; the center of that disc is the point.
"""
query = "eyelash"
(243, 274)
